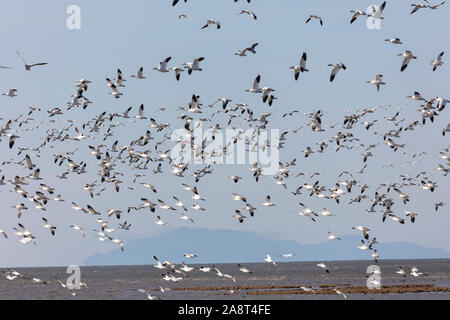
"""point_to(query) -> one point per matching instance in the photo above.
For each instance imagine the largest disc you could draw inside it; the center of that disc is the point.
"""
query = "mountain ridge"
(230, 246)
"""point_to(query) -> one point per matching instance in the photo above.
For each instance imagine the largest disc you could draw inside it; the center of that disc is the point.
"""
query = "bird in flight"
(29, 66)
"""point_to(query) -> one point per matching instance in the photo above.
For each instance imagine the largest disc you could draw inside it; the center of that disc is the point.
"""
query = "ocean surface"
(123, 282)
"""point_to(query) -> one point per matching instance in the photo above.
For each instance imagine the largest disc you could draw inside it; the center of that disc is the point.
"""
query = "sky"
(117, 34)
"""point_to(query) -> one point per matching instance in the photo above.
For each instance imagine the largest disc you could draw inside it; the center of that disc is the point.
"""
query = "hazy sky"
(127, 35)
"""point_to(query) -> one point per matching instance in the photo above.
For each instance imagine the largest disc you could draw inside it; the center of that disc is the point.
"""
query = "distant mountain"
(226, 246)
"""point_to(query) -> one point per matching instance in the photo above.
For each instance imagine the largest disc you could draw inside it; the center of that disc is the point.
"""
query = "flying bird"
(29, 66)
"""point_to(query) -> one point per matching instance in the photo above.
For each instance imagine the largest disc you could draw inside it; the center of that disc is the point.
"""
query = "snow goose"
(401, 272)
(193, 66)
(11, 93)
(186, 268)
(250, 13)
(336, 67)
(49, 226)
(417, 7)
(364, 230)
(324, 267)
(244, 269)
(315, 17)
(416, 96)
(407, 58)
(394, 40)
(363, 246)
(376, 14)
(356, 14)
(2, 232)
(211, 22)
(268, 259)
(239, 216)
(159, 222)
(177, 71)
(268, 202)
(139, 74)
(416, 273)
(29, 66)
(163, 65)
(332, 236)
(75, 227)
(438, 61)
(115, 92)
(255, 88)
(411, 215)
(301, 67)
(149, 296)
(377, 82)
(204, 269)
(12, 139)
(243, 53)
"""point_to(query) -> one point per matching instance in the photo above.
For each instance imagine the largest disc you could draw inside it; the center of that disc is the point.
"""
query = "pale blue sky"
(125, 35)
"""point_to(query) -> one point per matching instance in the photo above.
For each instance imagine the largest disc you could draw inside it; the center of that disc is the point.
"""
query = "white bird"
(438, 62)
(255, 88)
(244, 269)
(323, 266)
(376, 14)
(239, 216)
(115, 92)
(314, 17)
(11, 93)
(177, 71)
(336, 67)
(401, 272)
(268, 259)
(332, 236)
(49, 226)
(364, 230)
(417, 6)
(252, 14)
(356, 14)
(158, 264)
(394, 40)
(340, 293)
(163, 65)
(210, 22)
(3, 233)
(186, 268)
(416, 273)
(268, 202)
(193, 66)
(204, 269)
(301, 67)
(149, 296)
(139, 74)
(251, 49)
(363, 246)
(159, 222)
(75, 227)
(377, 82)
(407, 58)
(29, 66)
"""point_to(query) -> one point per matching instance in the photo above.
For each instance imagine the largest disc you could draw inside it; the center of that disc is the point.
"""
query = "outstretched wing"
(18, 53)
